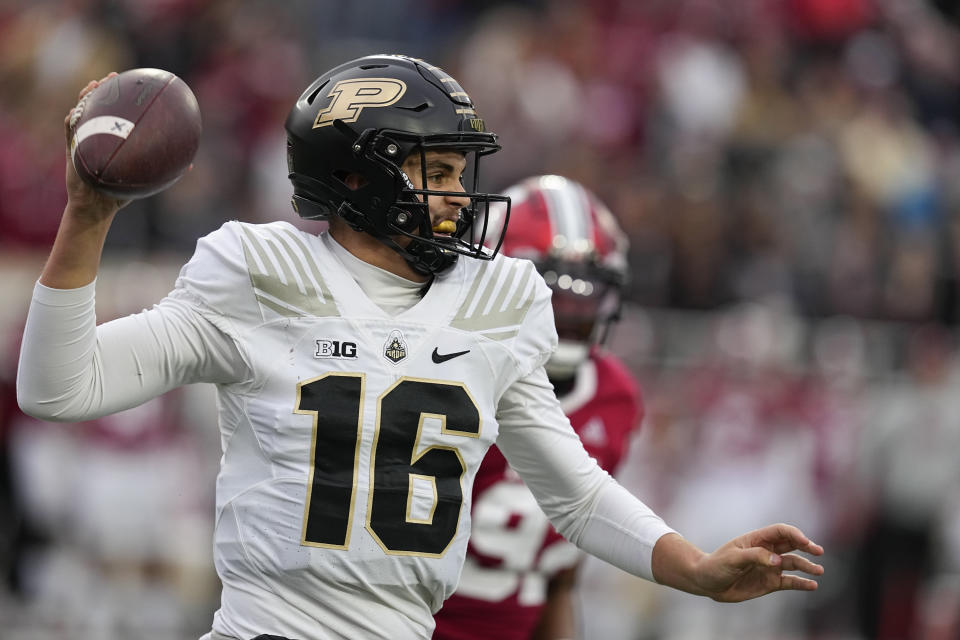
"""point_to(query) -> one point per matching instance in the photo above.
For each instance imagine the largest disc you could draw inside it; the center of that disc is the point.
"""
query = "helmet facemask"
(408, 215)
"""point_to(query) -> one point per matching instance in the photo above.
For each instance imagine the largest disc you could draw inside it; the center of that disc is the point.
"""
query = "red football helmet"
(580, 251)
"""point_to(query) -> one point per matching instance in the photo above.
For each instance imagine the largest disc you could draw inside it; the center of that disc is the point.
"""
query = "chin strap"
(426, 259)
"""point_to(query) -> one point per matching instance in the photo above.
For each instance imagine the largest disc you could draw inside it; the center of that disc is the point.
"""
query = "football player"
(517, 582)
(362, 374)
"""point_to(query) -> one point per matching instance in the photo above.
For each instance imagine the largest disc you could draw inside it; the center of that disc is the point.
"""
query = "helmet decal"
(349, 97)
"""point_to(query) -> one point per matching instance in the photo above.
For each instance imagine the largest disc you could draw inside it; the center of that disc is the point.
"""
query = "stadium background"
(788, 172)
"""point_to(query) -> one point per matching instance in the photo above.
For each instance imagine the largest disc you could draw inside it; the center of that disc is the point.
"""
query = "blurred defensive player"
(517, 582)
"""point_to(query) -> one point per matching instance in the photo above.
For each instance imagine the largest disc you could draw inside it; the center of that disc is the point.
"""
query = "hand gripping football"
(136, 133)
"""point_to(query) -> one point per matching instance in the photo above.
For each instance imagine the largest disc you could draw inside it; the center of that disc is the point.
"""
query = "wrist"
(678, 563)
(75, 256)
(87, 215)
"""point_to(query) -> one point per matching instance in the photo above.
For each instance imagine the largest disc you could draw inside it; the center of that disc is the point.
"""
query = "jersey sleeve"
(585, 504)
(71, 369)
(216, 281)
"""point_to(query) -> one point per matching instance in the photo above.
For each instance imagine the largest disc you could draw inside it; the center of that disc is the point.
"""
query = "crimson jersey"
(514, 551)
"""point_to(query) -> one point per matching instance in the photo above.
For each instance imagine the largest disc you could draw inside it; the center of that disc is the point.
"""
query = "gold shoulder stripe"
(498, 301)
(501, 335)
(284, 277)
(524, 291)
(483, 289)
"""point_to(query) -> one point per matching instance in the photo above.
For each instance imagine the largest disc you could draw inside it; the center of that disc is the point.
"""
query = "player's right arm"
(70, 369)
(75, 257)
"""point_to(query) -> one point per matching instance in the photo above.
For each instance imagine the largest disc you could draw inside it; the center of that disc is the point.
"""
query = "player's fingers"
(786, 537)
(756, 556)
(93, 84)
(796, 583)
(791, 562)
(90, 86)
(785, 546)
(74, 114)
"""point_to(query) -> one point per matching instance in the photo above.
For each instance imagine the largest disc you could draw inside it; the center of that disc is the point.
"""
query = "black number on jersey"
(334, 400)
(398, 462)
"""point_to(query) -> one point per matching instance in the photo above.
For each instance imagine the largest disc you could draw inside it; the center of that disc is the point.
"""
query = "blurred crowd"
(805, 148)
(788, 172)
(756, 414)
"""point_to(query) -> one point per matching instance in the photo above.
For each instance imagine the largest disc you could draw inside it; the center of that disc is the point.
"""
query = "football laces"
(78, 110)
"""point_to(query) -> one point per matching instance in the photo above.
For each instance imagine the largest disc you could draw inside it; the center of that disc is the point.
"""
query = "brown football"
(135, 134)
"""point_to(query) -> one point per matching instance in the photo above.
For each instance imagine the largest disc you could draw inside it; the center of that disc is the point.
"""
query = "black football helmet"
(366, 117)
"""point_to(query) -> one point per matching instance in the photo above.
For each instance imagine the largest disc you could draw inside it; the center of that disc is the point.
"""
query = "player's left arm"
(557, 620)
(749, 566)
(582, 501)
(595, 512)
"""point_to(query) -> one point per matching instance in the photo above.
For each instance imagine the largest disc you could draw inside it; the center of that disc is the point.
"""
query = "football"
(135, 134)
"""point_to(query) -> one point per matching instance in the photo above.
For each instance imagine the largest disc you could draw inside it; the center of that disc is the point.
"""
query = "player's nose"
(460, 199)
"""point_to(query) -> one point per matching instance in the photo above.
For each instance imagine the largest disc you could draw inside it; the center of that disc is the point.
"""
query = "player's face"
(444, 172)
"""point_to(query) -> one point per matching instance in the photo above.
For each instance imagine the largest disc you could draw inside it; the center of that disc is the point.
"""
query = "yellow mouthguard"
(447, 226)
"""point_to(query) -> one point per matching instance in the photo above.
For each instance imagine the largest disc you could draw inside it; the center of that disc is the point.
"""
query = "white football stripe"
(113, 125)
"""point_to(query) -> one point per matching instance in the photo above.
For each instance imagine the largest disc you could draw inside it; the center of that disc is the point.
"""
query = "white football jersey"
(351, 443)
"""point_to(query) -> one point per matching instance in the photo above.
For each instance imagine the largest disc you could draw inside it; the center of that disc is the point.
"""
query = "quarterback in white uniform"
(362, 375)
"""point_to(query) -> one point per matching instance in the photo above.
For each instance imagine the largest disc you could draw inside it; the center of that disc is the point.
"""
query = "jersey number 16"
(398, 462)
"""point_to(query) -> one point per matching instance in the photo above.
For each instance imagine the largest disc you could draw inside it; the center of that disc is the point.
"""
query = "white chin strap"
(565, 360)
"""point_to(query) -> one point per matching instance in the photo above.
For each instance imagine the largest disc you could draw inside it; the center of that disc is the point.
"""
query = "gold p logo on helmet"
(349, 97)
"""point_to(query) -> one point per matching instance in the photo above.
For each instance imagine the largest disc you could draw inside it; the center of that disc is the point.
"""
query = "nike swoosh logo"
(443, 357)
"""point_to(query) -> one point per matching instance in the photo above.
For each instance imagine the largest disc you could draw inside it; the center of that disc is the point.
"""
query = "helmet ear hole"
(351, 179)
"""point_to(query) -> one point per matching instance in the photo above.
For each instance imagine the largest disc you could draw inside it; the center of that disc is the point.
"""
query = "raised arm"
(70, 369)
(75, 257)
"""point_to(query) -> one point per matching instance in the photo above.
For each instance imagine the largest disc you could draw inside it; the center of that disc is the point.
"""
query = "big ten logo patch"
(336, 349)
